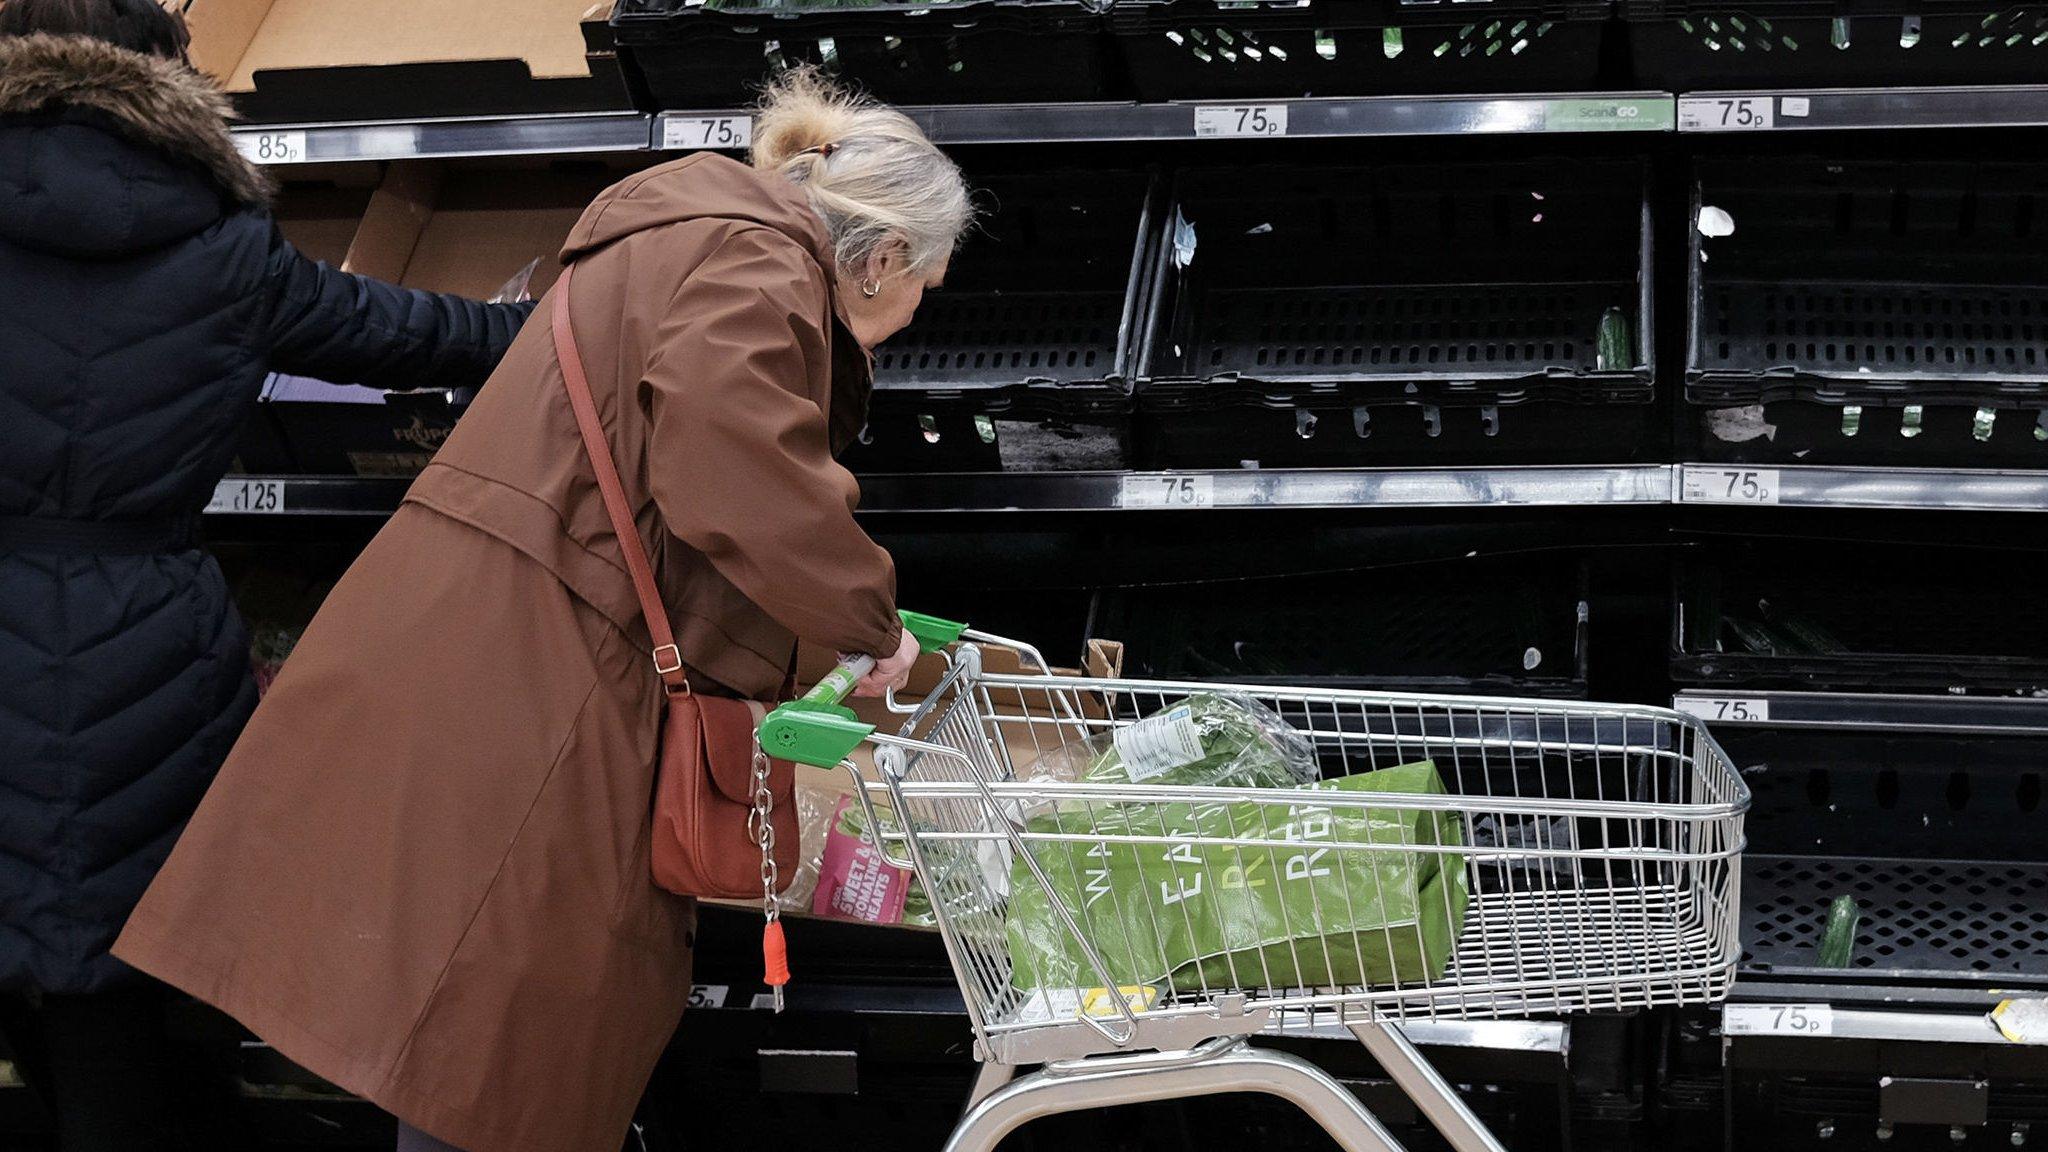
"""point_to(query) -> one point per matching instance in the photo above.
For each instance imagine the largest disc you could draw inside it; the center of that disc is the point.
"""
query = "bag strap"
(668, 659)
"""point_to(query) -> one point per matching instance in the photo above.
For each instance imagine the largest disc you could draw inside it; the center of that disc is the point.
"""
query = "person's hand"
(891, 671)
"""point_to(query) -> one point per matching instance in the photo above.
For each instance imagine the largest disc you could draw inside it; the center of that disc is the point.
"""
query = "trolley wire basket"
(1575, 857)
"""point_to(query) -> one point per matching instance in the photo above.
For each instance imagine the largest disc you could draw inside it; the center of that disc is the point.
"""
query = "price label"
(245, 497)
(272, 147)
(1727, 709)
(683, 133)
(1730, 486)
(1777, 1020)
(1725, 113)
(1241, 120)
(708, 995)
(1168, 492)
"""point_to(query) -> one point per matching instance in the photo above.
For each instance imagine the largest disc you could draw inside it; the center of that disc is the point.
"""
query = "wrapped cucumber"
(1614, 350)
(1838, 943)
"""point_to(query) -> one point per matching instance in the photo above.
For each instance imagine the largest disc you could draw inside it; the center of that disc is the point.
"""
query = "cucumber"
(1838, 943)
(1614, 351)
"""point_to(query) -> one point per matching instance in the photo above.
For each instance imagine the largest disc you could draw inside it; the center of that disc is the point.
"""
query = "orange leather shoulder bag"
(724, 813)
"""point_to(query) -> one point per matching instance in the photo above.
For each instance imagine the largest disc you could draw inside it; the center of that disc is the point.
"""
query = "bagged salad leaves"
(1341, 904)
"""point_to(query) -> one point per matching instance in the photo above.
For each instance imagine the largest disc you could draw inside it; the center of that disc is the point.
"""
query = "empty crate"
(1404, 314)
(1701, 44)
(1870, 312)
(1488, 625)
(1019, 362)
(1177, 49)
(689, 54)
(1872, 617)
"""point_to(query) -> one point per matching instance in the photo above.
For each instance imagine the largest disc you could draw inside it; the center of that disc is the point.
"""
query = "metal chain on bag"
(761, 826)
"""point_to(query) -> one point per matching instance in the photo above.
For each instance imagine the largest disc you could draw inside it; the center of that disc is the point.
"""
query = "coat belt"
(59, 537)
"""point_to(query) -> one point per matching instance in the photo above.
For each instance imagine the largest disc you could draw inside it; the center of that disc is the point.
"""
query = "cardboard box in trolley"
(843, 877)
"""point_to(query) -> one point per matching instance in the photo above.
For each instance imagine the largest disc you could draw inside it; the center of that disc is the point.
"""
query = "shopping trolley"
(1593, 851)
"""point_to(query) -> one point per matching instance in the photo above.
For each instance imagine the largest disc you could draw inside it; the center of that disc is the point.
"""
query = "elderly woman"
(424, 871)
(145, 291)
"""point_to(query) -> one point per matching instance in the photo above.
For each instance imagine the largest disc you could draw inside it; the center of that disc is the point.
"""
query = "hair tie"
(821, 151)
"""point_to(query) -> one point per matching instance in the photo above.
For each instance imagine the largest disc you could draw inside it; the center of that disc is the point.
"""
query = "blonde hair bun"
(870, 172)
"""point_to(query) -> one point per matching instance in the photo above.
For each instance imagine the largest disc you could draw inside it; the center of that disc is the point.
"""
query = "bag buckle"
(668, 659)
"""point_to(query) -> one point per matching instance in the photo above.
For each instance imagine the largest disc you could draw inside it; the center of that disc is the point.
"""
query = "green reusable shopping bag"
(1203, 914)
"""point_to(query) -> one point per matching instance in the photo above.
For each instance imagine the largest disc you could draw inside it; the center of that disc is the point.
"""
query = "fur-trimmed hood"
(155, 102)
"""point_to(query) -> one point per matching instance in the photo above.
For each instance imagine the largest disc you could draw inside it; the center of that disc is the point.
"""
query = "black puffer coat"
(144, 293)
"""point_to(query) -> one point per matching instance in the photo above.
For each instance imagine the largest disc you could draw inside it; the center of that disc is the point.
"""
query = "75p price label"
(683, 133)
(1726, 113)
(1729, 486)
(239, 497)
(1218, 120)
(272, 147)
(1777, 1020)
(1726, 709)
(1168, 492)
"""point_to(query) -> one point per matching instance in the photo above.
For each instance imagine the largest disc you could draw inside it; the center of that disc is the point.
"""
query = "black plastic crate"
(1410, 313)
(680, 54)
(1021, 362)
(1870, 312)
(1492, 625)
(1195, 49)
(1862, 617)
(1700, 44)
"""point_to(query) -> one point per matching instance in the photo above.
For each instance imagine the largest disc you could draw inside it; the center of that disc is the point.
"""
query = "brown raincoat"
(423, 873)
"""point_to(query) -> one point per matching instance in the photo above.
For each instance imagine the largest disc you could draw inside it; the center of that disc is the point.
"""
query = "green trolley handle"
(816, 728)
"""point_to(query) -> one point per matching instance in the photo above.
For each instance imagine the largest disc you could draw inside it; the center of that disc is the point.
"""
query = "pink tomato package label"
(854, 881)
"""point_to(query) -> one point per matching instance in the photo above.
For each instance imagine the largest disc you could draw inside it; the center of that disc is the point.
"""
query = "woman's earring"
(870, 289)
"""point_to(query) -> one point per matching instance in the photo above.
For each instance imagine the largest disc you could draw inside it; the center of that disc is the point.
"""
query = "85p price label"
(1730, 486)
(272, 147)
(1777, 1020)
(1168, 492)
(1218, 120)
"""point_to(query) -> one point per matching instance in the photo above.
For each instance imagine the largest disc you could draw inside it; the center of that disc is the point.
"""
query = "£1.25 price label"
(1726, 113)
(1729, 485)
(240, 496)
(1168, 492)
(1241, 120)
(1777, 1020)
(1725, 709)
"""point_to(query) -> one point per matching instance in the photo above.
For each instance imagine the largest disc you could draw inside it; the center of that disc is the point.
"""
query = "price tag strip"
(1729, 485)
(1725, 709)
(1727, 113)
(1777, 1020)
(1224, 120)
(1198, 491)
(272, 147)
(242, 496)
(687, 133)
(709, 995)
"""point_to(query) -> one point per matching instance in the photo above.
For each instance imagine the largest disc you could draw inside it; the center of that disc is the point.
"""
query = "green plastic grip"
(818, 729)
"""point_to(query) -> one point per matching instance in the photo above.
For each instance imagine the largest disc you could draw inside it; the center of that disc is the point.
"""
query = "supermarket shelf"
(1326, 116)
(479, 136)
(1303, 488)
(1958, 107)
(1878, 1024)
(1082, 491)
(1895, 488)
(1867, 712)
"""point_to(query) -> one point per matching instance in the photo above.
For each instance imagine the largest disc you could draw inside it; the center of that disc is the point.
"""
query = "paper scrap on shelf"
(1740, 425)
(1795, 106)
(2023, 1021)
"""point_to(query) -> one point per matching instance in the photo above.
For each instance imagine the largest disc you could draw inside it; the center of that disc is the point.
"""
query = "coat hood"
(103, 150)
(707, 186)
